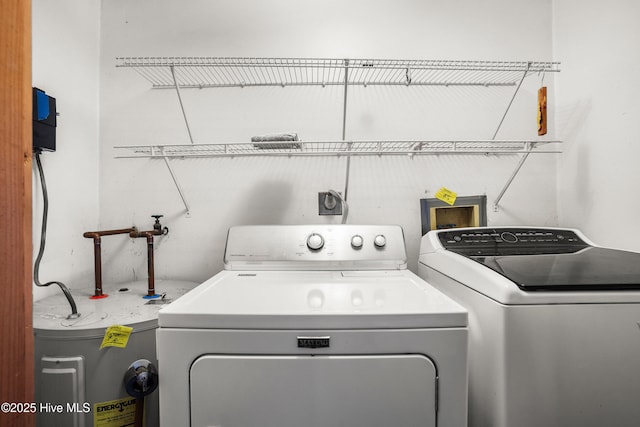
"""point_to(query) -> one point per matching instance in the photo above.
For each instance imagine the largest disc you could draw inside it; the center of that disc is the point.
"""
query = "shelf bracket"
(184, 114)
(344, 102)
(177, 184)
(530, 146)
(513, 97)
(344, 127)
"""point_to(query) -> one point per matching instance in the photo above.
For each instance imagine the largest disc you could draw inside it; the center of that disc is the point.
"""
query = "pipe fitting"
(97, 255)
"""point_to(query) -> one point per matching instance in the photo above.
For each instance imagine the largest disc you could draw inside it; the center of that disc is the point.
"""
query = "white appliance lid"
(553, 272)
(295, 300)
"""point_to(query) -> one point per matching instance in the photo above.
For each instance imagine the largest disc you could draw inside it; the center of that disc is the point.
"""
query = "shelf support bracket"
(529, 149)
(177, 184)
(529, 145)
(344, 102)
(344, 127)
(184, 114)
(513, 97)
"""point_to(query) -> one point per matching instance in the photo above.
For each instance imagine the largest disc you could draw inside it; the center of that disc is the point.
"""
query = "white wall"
(65, 65)
(224, 192)
(592, 98)
(599, 118)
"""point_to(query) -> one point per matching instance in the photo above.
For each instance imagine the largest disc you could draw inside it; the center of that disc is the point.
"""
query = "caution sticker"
(446, 196)
(116, 336)
(115, 413)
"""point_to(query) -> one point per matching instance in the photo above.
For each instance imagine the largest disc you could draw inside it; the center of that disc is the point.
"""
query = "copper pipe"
(97, 255)
(151, 289)
(91, 234)
(138, 420)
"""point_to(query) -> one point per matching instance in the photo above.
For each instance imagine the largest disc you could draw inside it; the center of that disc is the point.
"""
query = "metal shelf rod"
(529, 145)
(184, 114)
(512, 177)
(344, 127)
(513, 97)
(177, 184)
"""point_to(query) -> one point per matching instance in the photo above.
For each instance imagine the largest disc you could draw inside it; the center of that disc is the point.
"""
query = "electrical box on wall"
(465, 212)
(44, 121)
(328, 204)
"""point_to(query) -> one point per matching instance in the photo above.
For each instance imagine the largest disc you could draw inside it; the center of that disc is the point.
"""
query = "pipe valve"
(157, 227)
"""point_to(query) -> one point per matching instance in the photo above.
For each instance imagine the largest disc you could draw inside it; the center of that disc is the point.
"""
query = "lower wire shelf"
(336, 148)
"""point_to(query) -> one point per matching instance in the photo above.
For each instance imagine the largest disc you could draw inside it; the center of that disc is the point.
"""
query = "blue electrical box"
(44, 121)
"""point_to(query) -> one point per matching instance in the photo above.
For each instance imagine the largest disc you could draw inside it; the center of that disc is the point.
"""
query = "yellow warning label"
(116, 336)
(115, 413)
(446, 196)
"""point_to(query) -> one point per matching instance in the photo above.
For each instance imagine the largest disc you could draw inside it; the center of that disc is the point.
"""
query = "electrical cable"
(345, 206)
(43, 238)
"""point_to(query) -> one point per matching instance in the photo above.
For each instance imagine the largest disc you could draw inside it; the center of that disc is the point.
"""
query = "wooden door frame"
(16, 246)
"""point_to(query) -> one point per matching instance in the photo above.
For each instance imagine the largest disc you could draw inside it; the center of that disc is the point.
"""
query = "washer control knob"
(315, 242)
(357, 241)
(380, 241)
(509, 237)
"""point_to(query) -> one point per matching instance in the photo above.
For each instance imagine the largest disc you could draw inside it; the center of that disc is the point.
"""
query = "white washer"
(313, 326)
(554, 337)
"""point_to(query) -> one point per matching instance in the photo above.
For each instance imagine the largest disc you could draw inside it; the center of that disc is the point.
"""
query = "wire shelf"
(218, 72)
(332, 148)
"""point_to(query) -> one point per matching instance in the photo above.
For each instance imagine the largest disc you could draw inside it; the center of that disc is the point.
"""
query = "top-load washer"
(315, 326)
(554, 337)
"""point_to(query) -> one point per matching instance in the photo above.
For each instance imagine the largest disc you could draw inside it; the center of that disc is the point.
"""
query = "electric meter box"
(44, 121)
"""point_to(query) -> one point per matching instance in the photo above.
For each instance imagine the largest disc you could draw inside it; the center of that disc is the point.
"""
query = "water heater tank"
(80, 381)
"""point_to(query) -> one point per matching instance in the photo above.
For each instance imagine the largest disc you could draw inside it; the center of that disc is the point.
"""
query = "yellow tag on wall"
(446, 196)
(116, 336)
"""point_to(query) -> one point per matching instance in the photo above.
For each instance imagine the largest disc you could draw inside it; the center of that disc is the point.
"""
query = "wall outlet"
(328, 204)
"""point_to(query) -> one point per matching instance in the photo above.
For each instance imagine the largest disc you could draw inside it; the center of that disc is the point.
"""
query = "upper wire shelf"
(219, 72)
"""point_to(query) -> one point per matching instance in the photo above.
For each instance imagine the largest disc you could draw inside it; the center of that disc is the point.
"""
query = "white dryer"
(314, 326)
(554, 337)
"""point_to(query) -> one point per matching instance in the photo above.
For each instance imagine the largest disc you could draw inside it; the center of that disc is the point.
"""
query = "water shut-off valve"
(158, 228)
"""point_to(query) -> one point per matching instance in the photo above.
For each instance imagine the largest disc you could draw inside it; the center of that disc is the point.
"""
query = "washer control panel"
(315, 241)
(509, 238)
(316, 246)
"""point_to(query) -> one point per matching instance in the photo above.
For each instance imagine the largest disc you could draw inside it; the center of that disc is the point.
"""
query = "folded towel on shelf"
(282, 141)
(275, 137)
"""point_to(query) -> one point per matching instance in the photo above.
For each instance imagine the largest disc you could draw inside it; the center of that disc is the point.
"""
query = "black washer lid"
(587, 269)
